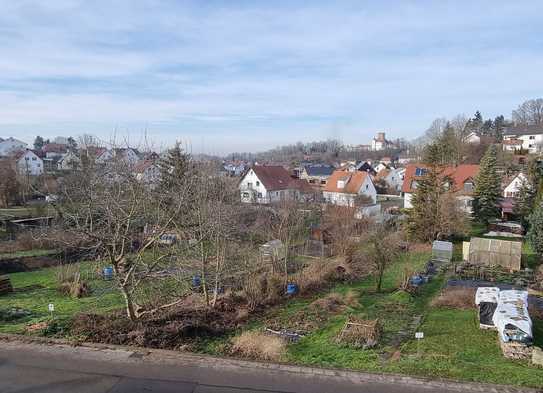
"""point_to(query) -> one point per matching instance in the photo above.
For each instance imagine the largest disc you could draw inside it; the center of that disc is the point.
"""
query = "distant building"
(10, 146)
(53, 150)
(531, 137)
(344, 188)
(69, 162)
(380, 142)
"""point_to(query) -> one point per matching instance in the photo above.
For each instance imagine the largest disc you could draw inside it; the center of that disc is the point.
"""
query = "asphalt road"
(30, 367)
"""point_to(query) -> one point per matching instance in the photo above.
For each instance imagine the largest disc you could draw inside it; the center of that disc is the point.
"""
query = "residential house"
(316, 174)
(365, 166)
(380, 142)
(147, 172)
(462, 177)
(54, 150)
(233, 169)
(512, 144)
(69, 162)
(392, 177)
(530, 135)
(344, 188)
(472, 138)
(10, 146)
(379, 167)
(127, 154)
(511, 185)
(266, 184)
(27, 162)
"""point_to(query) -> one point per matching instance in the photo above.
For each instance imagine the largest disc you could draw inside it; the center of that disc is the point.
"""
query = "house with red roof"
(344, 187)
(266, 184)
(462, 178)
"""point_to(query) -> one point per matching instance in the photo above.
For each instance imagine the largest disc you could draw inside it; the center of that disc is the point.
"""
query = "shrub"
(256, 345)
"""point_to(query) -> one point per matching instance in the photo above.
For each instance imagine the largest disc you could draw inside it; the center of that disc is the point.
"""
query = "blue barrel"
(292, 289)
(196, 281)
(108, 273)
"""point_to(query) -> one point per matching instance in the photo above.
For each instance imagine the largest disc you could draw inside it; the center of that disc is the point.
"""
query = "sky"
(225, 76)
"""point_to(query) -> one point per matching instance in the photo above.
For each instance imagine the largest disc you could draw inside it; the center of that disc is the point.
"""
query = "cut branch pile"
(360, 333)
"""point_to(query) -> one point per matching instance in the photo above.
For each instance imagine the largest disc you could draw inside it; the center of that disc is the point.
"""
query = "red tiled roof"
(458, 174)
(512, 142)
(141, 166)
(54, 148)
(353, 180)
(273, 177)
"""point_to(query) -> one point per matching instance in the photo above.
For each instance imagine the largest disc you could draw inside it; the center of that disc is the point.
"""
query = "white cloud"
(241, 73)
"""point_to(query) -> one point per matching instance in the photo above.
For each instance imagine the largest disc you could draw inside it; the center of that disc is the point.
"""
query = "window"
(323, 181)
(249, 185)
(245, 195)
(259, 195)
(420, 171)
(414, 184)
(367, 186)
(33, 158)
(530, 146)
(26, 158)
(532, 136)
(468, 186)
(257, 183)
(312, 181)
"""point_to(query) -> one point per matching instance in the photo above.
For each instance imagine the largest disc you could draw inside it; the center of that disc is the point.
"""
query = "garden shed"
(494, 252)
(442, 251)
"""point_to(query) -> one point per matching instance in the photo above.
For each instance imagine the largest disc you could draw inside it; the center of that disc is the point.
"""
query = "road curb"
(176, 357)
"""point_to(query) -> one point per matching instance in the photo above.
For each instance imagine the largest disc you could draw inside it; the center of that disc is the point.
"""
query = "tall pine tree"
(487, 193)
(174, 168)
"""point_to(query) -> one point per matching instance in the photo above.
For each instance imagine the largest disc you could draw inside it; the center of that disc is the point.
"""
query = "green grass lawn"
(35, 290)
(27, 253)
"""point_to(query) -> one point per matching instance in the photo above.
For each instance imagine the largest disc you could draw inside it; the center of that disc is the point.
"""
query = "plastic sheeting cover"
(487, 294)
(512, 315)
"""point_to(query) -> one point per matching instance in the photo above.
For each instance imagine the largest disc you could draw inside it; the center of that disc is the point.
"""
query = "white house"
(28, 163)
(69, 161)
(512, 185)
(344, 187)
(392, 177)
(531, 137)
(11, 146)
(270, 184)
(379, 167)
(472, 138)
(147, 172)
(512, 144)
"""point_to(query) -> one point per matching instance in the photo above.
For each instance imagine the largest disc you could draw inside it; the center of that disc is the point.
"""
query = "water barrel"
(108, 273)
(292, 289)
(196, 281)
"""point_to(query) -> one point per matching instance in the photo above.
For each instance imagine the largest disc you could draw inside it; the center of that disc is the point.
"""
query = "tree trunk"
(130, 309)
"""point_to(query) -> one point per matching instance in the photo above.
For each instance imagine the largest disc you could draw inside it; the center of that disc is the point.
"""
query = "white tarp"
(513, 310)
(487, 294)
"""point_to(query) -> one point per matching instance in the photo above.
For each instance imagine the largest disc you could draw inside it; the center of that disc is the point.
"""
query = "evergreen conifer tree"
(535, 233)
(487, 188)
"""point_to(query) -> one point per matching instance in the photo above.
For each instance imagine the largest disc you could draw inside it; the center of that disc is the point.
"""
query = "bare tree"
(121, 220)
(529, 112)
(381, 247)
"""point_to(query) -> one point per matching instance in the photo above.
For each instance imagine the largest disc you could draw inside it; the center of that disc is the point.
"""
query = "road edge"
(172, 357)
